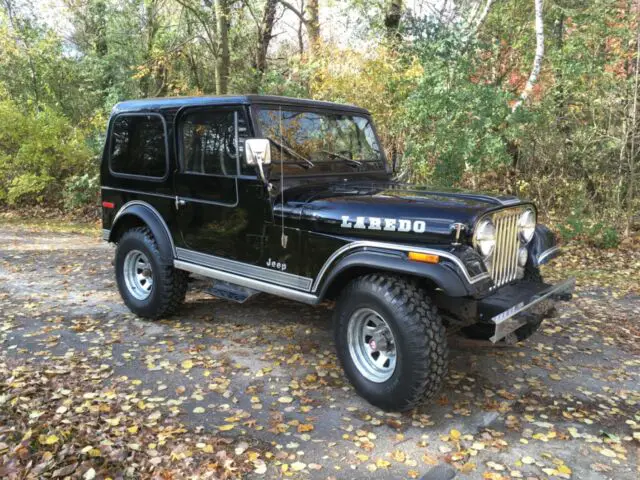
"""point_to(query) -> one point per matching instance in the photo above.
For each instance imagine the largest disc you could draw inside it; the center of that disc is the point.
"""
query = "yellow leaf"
(399, 456)
(380, 463)
(305, 427)
(133, 429)
(454, 434)
(50, 440)
(285, 399)
(187, 364)
(362, 457)
(298, 466)
(564, 469)
(198, 410)
(225, 428)
(114, 422)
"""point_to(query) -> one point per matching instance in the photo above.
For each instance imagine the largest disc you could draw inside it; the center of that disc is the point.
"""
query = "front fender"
(442, 275)
(544, 246)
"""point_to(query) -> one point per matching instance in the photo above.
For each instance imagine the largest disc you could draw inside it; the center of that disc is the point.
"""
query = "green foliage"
(457, 124)
(38, 151)
(81, 190)
(441, 91)
(598, 234)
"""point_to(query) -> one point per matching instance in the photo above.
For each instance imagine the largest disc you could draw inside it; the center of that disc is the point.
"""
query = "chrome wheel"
(371, 345)
(138, 275)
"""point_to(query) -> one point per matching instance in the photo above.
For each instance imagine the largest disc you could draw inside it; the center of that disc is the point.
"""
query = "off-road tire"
(419, 334)
(481, 331)
(169, 284)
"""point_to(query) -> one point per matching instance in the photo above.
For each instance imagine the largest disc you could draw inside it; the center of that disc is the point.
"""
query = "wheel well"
(127, 222)
(343, 278)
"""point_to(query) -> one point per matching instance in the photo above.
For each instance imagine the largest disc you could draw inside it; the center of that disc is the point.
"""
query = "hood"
(384, 209)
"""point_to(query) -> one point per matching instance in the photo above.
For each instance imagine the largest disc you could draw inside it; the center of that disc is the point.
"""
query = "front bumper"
(516, 305)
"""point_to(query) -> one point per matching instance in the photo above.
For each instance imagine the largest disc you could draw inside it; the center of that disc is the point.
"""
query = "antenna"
(283, 237)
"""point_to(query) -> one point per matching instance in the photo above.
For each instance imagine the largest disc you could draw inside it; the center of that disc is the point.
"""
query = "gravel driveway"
(565, 404)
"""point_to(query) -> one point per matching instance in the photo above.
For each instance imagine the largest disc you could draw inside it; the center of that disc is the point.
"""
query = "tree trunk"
(222, 46)
(313, 23)
(392, 18)
(265, 34)
(632, 150)
(537, 60)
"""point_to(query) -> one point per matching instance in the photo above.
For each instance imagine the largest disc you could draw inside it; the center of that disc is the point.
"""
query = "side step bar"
(230, 291)
(251, 283)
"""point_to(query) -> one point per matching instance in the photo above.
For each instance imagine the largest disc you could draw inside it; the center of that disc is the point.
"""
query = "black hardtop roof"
(173, 102)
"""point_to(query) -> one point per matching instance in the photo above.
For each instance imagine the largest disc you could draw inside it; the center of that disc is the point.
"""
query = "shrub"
(81, 190)
(39, 150)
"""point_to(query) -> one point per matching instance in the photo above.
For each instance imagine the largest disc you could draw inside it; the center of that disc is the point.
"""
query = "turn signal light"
(423, 257)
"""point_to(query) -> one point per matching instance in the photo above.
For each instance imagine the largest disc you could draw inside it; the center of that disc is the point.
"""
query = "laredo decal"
(389, 224)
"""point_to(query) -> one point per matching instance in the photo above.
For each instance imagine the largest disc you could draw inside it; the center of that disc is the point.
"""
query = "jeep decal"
(388, 224)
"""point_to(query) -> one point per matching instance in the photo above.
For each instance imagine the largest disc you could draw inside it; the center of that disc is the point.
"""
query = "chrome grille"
(504, 261)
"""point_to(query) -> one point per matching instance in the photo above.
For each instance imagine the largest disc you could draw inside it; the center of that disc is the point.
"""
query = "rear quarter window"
(138, 146)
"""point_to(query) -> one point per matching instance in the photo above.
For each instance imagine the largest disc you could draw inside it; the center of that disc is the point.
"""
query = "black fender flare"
(441, 274)
(543, 246)
(153, 220)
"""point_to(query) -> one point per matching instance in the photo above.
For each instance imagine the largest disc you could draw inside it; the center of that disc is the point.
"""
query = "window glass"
(321, 142)
(138, 146)
(209, 142)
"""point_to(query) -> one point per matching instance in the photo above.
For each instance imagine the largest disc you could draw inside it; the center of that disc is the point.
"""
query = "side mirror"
(258, 152)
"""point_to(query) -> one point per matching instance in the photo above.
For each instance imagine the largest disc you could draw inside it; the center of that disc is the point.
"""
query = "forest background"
(537, 98)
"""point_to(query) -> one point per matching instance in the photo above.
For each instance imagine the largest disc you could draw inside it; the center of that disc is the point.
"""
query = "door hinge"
(180, 203)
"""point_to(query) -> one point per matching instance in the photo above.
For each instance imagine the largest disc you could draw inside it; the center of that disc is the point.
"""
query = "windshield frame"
(256, 107)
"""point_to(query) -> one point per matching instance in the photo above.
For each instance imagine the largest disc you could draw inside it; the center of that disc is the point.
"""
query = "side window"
(209, 142)
(138, 146)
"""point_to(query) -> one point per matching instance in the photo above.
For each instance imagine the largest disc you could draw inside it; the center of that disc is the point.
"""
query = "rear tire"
(148, 286)
(391, 341)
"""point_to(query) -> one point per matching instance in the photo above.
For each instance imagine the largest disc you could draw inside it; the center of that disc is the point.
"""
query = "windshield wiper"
(306, 162)
(350, 161)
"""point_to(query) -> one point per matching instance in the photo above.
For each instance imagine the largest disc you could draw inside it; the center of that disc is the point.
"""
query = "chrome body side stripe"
(240, 268)
(247, 282)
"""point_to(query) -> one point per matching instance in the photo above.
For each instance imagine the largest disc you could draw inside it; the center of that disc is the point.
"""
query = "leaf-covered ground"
(87, 390)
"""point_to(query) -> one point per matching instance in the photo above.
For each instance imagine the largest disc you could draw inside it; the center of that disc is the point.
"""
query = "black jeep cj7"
(295, 198)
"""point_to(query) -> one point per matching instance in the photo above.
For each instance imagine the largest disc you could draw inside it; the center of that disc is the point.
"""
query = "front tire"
(148, 286)
(391, 341)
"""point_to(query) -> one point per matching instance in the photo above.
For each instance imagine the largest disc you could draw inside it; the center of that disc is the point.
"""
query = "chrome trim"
(403, 248)
(499, 320)
(247, 282)
(545, 256)
(503, 261)
(124, 208)
(106, 234)
(137, 192)
(240, 268)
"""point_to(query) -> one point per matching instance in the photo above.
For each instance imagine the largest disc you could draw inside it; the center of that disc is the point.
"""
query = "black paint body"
(238, 219)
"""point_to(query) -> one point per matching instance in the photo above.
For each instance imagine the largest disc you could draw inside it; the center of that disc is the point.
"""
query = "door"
(212, 217)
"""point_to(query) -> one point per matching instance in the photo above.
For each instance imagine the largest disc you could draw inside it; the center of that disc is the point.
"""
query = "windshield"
(321, 142)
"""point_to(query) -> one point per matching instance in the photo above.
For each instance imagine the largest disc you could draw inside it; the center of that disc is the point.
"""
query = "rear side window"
(210, 142)
(138, 146)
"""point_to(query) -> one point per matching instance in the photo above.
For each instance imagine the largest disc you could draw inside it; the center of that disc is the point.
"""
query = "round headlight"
(485, 237)
(527, 225)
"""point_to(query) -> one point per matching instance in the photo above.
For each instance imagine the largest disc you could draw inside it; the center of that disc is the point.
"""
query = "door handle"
(180, 203)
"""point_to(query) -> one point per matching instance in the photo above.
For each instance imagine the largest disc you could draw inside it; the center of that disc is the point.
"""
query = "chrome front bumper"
(539, 305)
